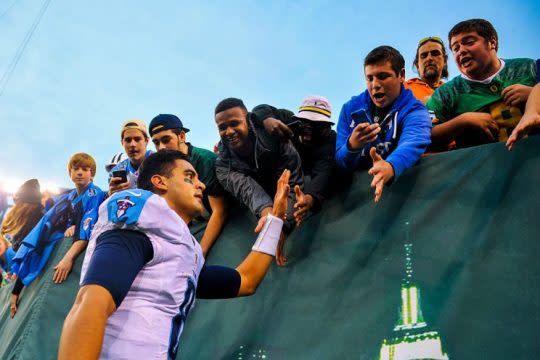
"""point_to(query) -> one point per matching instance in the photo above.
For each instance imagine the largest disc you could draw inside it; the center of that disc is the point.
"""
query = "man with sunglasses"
(168, 133)
(385, 125)
(311, 133)
(487, 100)
(431, 64)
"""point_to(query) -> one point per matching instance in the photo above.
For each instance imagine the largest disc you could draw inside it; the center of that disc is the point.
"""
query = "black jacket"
(255, 186)
(317, 161)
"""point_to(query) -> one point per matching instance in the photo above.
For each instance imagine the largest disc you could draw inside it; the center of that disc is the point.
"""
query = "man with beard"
(250, 161)
(134, 139)
(311, 133)
(487, 100)
(385, 125)
(431, 64)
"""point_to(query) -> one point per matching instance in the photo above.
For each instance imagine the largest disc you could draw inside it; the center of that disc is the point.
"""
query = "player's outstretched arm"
(84, 327)
(254, 267)
(217, 282)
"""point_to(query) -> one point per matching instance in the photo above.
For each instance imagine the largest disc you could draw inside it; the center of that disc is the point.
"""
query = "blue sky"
(91, 65)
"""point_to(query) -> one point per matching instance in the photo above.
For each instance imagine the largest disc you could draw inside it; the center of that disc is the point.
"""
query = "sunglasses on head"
(430, 38)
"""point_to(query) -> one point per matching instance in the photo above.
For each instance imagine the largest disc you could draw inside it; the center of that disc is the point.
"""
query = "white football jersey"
(148, 323)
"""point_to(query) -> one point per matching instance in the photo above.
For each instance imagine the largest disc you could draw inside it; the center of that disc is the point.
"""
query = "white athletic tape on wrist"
(268, 238)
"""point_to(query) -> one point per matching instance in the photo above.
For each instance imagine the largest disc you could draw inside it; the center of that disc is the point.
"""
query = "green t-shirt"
(460, 95)
(204, 163)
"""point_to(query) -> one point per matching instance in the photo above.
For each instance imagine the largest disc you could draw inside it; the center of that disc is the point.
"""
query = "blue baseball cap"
(166, 122)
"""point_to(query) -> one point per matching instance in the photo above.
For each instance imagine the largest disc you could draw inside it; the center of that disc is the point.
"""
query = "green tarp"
(446, 266)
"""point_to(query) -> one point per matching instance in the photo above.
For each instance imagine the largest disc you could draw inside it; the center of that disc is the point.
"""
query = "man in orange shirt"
(431, 64)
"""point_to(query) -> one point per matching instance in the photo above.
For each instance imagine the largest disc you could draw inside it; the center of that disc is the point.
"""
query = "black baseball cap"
(166, 122)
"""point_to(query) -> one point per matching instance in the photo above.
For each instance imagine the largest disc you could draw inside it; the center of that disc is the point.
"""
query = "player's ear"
(159, 183)
(493, 44)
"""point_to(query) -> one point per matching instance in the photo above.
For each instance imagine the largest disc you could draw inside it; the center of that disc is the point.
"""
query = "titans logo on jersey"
(126, 206)
(123, 205)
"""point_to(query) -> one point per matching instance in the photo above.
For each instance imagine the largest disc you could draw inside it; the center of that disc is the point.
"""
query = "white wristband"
(268, 238)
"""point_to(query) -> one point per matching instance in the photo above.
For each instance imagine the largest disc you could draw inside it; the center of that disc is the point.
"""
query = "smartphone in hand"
(120, 174)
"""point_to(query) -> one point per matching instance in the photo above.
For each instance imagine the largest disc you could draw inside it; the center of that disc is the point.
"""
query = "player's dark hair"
(385, 53)
(483, 27)
(444, 73)
(158, 163)
(229, 103)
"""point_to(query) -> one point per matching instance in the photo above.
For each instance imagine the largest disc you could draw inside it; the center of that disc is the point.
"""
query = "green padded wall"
(445, 267)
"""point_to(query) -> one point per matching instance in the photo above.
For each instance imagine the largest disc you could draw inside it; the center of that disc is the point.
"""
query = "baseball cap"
(117, 158)
(166, 122)
(315, 108)
(133, 124)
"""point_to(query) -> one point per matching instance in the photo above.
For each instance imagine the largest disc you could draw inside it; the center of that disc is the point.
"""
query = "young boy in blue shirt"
(73, 215)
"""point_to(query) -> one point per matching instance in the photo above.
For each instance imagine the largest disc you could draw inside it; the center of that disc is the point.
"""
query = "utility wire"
(13, 64)
(7, 9)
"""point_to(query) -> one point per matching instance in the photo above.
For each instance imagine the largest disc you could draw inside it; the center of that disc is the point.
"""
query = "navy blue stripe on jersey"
(178, 321)
(218, 282)
(117, 259)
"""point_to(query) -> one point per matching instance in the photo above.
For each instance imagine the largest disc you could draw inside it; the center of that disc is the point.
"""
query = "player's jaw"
(198, 198)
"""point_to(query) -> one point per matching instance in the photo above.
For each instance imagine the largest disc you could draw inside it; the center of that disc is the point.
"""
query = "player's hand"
(525, 125)
(115, 185)
(485, 123)
(277, 128)
(70, 231)
(282, 195)
(62, 270)
(304, 202)
(381, 171)
(14, 302)
(515, 95)
(363, 134)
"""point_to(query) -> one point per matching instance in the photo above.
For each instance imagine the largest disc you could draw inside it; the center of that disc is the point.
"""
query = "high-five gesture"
(382, 172)
(279, 210)
(281, 198)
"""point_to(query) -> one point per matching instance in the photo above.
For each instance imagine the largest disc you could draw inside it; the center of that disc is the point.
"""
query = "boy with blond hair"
(73, 215)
